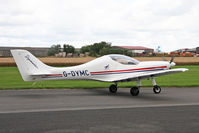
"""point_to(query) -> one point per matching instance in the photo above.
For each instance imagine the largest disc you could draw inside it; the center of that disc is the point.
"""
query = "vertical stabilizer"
(28, 64)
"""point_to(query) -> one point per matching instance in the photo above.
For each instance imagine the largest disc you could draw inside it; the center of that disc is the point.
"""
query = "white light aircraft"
(109, 68)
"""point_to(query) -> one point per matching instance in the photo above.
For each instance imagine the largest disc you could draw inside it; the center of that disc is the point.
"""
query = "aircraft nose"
(172, 64)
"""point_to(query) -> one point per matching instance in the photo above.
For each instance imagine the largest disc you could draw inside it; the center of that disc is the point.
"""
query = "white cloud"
(168, 23)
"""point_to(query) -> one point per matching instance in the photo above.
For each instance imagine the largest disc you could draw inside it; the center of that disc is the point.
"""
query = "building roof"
(134, 47)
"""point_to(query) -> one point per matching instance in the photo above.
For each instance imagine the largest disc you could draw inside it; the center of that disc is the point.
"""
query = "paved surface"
(95, 110)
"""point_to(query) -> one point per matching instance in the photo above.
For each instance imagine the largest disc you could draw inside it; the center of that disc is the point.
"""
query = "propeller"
(171, 61)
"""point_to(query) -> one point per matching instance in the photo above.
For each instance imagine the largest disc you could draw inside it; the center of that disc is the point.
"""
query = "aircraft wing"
(133, 77)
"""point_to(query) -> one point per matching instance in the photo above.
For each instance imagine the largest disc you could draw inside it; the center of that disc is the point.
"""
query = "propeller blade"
(172, 58)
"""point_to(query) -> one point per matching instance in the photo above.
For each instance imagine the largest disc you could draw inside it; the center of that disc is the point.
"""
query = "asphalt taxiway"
(96, 110)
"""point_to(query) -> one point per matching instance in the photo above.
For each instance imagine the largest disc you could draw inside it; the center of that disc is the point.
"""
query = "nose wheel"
(113, 88)
(156, 89)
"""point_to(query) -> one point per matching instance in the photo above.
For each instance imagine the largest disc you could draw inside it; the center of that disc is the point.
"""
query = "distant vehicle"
(109, 68)
(189, 54)
(197, 50)
(184, 52)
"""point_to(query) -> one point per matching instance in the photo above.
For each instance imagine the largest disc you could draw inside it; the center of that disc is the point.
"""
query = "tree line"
(55, 49)
(95, 50)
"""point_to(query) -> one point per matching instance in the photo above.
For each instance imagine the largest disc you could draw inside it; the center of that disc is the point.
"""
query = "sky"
(170, 24)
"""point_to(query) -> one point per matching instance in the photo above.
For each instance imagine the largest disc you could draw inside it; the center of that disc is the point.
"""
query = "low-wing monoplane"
(109, 68)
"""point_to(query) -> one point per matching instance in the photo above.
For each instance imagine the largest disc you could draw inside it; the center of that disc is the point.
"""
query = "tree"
(68, 48)
(54, 49)
(113, 50)
(85, 49)
(96, 47)
(103, 48)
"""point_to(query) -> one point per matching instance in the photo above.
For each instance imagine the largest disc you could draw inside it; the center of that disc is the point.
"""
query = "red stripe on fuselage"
(54, 75)
(130, 70)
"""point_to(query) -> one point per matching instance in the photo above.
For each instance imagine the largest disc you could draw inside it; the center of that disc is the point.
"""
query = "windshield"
(124, 59)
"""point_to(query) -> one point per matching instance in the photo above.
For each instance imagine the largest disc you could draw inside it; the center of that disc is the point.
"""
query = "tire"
(156, 89)
(134, 91)
(113, 88)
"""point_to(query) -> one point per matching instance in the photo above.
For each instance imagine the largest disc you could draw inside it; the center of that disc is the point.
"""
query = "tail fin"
(28, 64)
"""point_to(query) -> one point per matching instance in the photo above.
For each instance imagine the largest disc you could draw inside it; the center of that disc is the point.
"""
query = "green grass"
(11, 79)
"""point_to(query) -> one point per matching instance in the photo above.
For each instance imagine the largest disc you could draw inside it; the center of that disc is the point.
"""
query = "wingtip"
(185, 69)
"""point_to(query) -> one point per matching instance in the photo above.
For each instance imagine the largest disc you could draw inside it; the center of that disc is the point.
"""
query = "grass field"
(11, 79)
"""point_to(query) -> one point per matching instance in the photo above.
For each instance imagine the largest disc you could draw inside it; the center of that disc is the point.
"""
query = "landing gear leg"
(113, 88)
(156, 88)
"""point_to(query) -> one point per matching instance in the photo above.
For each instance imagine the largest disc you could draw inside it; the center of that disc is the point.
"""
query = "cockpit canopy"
(124, 59)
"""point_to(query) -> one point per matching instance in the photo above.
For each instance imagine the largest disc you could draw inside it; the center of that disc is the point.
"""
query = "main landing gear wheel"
(156, 89)
(134, 91)
(113, 88)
